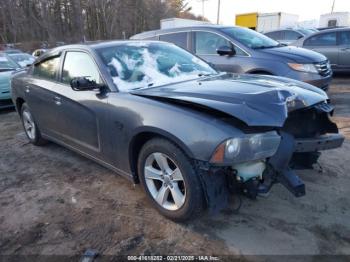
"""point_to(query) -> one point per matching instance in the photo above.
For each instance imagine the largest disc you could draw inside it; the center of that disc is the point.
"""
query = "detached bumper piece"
(289, 148)
(280, 164)
(292, 182)
(324, 142)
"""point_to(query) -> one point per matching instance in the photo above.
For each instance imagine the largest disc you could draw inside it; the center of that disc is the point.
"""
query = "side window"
(47, 69)
(207, 43)
(179, 39)
(79, 64)
(274, 35)
(327, 39)
(291, 35)
(344, 37)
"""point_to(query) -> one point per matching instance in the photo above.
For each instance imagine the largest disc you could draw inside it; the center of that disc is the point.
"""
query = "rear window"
(291, 35)
(47, 69)
(179, 39)
(327, 39)
(274, 35)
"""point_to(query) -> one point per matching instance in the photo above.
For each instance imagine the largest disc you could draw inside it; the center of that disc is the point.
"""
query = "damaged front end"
(284, 124)
(278, 154)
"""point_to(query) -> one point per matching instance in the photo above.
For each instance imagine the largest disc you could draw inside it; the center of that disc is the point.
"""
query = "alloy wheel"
(28, 123)
(164, 181)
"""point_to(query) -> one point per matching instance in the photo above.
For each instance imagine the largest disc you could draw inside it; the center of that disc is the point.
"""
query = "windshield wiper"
(143, 87)
(209, 74)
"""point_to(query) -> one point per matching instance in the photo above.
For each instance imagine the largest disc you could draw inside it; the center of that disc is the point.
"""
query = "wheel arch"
(19, 103)
(145, 134)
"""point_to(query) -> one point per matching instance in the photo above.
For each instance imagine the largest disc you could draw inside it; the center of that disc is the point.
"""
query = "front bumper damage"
(220, 182)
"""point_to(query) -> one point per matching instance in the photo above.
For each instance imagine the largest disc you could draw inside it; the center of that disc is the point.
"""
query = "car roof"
(179, 29)
(88, 46)
(327, 31)
(333, 30)
(289, 29)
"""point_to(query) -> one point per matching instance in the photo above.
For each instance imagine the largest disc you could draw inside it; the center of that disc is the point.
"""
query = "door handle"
(57, 100)
(345, 49)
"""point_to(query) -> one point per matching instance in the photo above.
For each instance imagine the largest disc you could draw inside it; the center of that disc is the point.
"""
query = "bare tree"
(80, 20)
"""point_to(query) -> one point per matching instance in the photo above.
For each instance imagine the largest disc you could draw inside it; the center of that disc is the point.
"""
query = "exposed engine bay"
(305, 133)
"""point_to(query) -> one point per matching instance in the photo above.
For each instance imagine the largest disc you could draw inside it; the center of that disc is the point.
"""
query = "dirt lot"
(53, 201)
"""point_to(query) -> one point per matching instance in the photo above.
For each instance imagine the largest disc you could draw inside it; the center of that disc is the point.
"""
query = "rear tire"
(170, 181)
(30, 127)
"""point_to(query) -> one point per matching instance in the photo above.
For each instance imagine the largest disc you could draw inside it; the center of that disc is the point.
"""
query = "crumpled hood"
(297, 54)
(255, 100)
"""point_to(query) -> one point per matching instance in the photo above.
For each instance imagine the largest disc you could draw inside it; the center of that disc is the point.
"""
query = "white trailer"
(179, 22)
(273, 21)
(335, 19)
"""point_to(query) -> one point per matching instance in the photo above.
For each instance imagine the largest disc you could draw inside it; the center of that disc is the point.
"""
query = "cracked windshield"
(135, 66)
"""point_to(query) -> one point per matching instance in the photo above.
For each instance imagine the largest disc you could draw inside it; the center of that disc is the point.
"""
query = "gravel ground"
(53, 201)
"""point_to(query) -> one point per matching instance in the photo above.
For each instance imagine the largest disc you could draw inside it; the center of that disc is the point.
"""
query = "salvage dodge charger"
(164, 118)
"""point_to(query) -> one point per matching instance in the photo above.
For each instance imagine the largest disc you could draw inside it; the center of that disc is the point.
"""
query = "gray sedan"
(334, 44)
(159, 116)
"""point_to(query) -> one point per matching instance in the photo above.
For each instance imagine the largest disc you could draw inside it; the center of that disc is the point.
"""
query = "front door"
(80, 114)
(326, 44)
(205, 45)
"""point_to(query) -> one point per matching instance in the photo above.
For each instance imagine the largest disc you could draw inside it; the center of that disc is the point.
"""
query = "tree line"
(72, 21)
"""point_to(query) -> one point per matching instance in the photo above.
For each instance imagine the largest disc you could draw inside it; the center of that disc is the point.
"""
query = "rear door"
(205, 45)
(326, 44)
(40, 93)
(344, 49)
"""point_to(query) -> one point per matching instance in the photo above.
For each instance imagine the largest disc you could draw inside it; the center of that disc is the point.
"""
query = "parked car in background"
(162, 117)
(12, 51)
(7, 67)
(289, 36)
(329, 27)
(334, 44)
(242, 50)
(22, 59)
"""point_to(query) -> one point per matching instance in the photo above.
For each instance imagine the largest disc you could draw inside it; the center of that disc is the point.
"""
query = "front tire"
(170, 181)
(30, 127)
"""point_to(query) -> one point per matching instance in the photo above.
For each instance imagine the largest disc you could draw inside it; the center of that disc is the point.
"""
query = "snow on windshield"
(139, 65)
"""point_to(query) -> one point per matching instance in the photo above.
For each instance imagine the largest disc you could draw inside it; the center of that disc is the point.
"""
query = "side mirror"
(83, 84)
(226, 50)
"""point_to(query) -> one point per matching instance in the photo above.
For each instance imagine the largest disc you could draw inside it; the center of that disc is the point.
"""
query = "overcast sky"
(306, 9)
